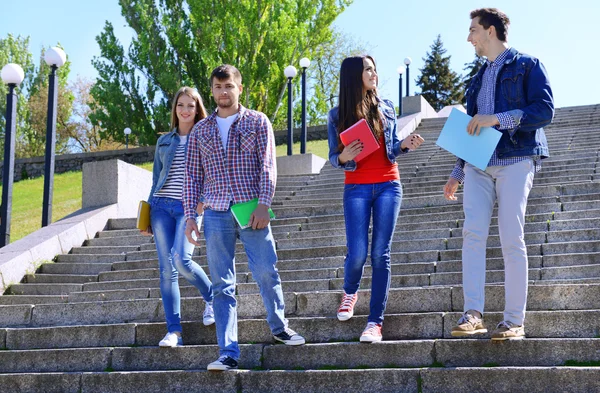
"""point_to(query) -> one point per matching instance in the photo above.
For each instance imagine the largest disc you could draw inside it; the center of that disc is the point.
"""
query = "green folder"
(243, 211)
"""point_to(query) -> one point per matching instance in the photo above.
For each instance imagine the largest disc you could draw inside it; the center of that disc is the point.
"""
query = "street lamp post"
(55, 57)
(11, 74)
(127, 131)
(304, 63)
(290, 72)
(407, 62)
(400, 72)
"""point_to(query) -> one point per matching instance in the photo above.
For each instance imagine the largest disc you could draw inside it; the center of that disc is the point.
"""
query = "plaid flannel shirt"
(245, 170)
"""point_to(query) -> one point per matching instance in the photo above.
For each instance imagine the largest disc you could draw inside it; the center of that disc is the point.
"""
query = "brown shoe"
(507, 330)
(468, 325)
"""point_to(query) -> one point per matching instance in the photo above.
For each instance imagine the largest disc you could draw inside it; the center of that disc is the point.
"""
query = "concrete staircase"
(91, 321)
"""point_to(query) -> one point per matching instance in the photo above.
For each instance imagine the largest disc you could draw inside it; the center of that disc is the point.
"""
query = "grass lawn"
(28, 197)
(28, 194)
(319, 148)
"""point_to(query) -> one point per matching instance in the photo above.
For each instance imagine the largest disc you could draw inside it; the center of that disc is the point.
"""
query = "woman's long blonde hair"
(192, 93)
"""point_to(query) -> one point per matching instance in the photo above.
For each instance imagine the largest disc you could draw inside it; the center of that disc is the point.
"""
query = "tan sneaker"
(507, 330)
(468, 325)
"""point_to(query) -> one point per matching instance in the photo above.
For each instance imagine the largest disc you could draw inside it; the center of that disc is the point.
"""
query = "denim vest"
(163, 159)
(390, 133)
(523, 90)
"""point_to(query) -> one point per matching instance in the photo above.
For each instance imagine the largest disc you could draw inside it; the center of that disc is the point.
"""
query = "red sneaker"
(372, 333)
(346, 310)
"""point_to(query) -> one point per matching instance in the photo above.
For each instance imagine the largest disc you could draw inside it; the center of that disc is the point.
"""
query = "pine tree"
(440, 86)
(472, 69)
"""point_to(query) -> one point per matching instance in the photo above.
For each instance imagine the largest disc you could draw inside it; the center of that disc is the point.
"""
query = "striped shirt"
(174, 183)
(244, 170)
(485, 106)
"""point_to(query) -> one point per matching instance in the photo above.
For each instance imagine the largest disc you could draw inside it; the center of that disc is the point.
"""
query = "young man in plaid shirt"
(231, 159)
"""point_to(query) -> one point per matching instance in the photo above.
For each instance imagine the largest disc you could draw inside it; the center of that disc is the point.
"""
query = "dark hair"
(192, 93)
(352, 105)
(493, 17)
(226, 71)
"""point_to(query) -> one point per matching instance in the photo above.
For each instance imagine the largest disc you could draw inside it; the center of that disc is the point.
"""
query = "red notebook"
(360, 130)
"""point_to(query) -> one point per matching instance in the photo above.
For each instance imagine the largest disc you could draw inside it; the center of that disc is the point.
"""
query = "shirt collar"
(241, 112)
(500, 58)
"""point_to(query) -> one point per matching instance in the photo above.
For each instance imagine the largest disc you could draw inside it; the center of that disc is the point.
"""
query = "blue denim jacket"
(523, 91)
(163, 159)
(390, 132)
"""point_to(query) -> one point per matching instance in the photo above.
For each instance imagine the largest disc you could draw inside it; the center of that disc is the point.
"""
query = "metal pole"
(400, 94)
(290, 133)
(407, 79)
(50, 142)
(9, 164)
(126, 141)
(303, 131)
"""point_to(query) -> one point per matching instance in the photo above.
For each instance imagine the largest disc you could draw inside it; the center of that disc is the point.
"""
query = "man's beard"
(225, 103)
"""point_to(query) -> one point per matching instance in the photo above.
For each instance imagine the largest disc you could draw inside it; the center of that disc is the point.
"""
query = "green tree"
(84, 136)
(179, 42)
(32, 142)
(440, 86)
(325, 75)
(16, 50)
(472, 69)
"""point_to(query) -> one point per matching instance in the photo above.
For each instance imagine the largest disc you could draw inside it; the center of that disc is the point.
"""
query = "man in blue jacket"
(511, 92)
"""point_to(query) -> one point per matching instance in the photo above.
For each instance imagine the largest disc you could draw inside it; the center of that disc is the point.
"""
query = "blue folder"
(474, 149)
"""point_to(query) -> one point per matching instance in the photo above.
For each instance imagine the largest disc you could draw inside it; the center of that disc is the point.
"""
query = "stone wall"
(34, 167)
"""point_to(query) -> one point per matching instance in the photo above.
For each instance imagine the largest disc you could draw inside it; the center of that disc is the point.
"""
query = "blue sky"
(557, 32)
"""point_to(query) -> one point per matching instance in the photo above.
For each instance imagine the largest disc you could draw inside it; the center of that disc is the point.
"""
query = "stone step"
(44, 289)
(407, 326)
(7, 299)
(390, 354)
(424, 273)
(134, 240)
(541, 297)
(60, 278)
(118, 233)
(90, 258)
(75, 268)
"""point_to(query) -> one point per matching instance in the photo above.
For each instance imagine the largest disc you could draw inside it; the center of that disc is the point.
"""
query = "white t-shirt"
(224, 124)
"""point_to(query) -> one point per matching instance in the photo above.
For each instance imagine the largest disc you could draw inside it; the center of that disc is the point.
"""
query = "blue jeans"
(383, 201)
(175, 256)
(221, 231)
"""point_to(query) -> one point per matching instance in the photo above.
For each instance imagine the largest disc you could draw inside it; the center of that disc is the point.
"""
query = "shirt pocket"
(247, 141)
(207, 145)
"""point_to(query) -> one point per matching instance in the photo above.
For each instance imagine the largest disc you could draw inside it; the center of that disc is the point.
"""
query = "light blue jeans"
(221, 231)
(510, 185)
(382, 200)
(174, 257)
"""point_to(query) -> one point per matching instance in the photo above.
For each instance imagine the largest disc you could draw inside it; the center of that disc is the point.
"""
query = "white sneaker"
(171, 340)
(208, 318)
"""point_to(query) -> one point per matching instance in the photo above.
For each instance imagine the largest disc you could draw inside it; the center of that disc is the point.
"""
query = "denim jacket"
(390, 132)
(523, 91)
(163, 159)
